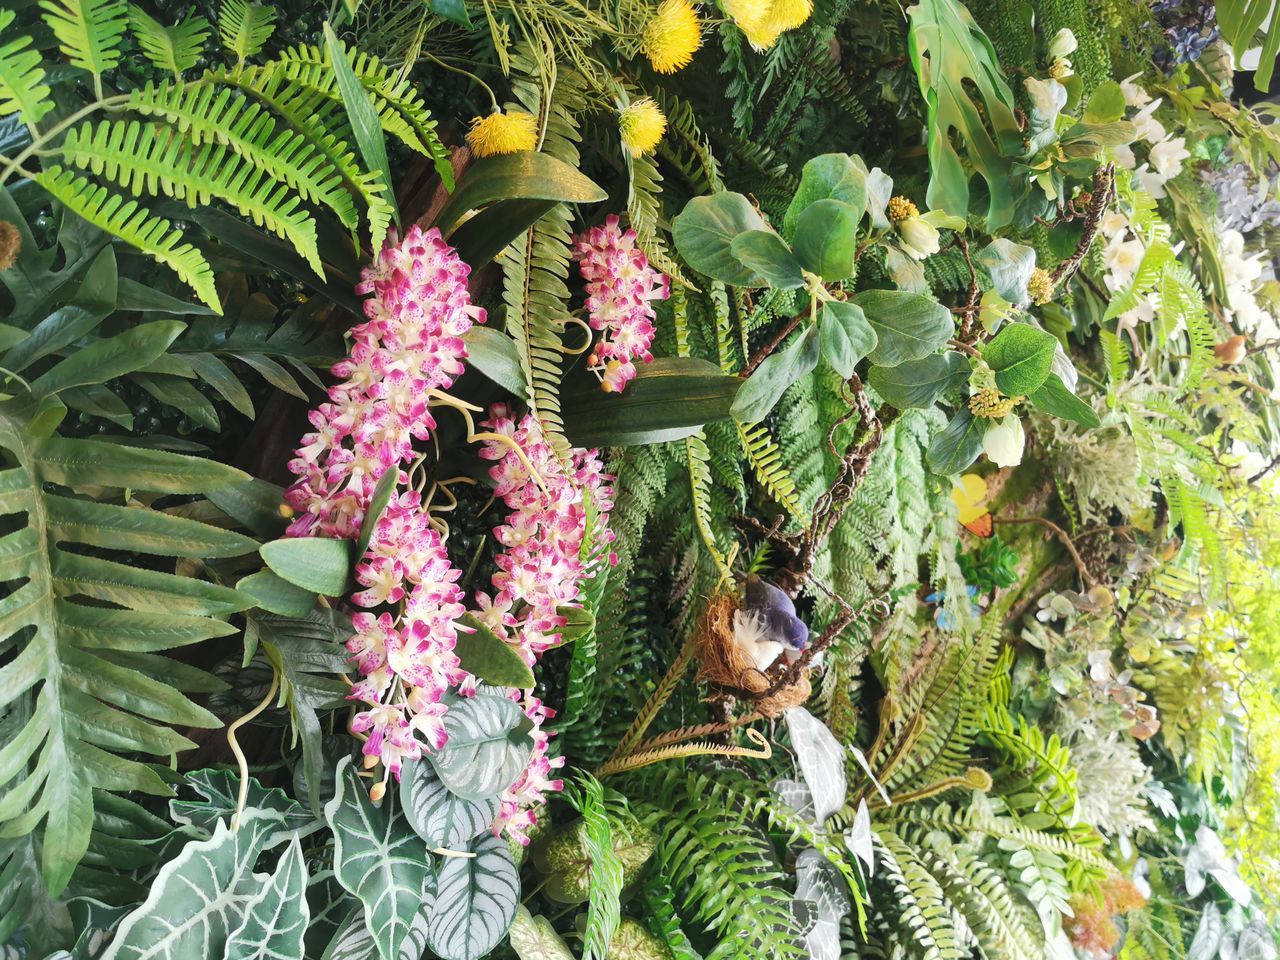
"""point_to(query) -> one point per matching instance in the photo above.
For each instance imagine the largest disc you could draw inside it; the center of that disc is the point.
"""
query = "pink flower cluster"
(406, 662)
(621, 288)
(516, 813)
(410, 344)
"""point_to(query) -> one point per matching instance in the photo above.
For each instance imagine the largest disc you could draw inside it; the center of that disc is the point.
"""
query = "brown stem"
(1085, 576)
(1104, 182)
(774, 341)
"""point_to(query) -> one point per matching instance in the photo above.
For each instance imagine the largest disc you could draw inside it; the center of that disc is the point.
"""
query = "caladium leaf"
(534, 938)
(379, 858)
(200, 896)
(476, 901)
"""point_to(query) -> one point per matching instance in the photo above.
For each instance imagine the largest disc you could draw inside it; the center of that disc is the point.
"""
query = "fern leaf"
(22, 87)
(244, 27)
(644, 209)
(922, 904)
(88, 32)
(134, 225)
(85, 628)
(770, 469)
(147, 158)
(177, 48)
(697, 457)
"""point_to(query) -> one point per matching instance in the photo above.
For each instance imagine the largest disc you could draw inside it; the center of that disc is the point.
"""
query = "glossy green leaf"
(920, 383)
(455, 11)
(1106, 104)
(668, 400)
(1010, 265)
(476, 900)
(488, 746)
(319, 564)
(767, 255)
(11, 336)
(704, 233)
(255, 504)
(382, 495)
(495, 355)
(1054, 398)
(1021, 356)
(846, 336)
(831, 176)
(827, 238)
(958, 445)
(762, 390)
(379, 859)
(908, 326)
(485, 655)
(363, 117)
(275, 594)
(200, 897)
(529, 175)
(276, 918)
(440, 817)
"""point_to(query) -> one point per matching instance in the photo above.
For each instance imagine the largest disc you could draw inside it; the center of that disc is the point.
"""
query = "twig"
(1104, 182)
(1085, 576)
(243, 764)
(762, 354)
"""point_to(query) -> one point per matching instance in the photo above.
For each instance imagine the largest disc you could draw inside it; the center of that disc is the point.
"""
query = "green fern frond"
(644, 210)
(922, 905)
(22, 87)
(1155, 259)
(244, 27)
(88, 32)
(177, 48)
(134, 225)
(697, 458)
(770, 468)
(207, 112)
(1116, 352)
(147, 159)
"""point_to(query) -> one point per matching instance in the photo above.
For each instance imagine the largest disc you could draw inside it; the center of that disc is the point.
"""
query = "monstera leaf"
(201, 896)
(952, 56)
(380, 859)
(85, 631)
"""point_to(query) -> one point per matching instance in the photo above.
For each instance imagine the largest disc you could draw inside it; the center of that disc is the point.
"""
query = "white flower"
(1063, 44)
(1134, 95)
(1151, 181)
(1238, 270)
(750, 636)
(1144, 312)
(1123, 155)
(1146, 126)
(1122, 258)
(1209, 856)
(1003, 441)
(1166, 157)
(1114, 222)
(1048, 97)
(919, 237)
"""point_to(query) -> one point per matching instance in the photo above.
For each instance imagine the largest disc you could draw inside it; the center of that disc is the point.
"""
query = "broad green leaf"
(670, 399)
(767, 254)
(276, 918)
(455, 11)
(1021, 356)
(439, 817)
(64, 324)
(846, 336)
(319, 564)
(1106, 104)
(1009, 265)
(821, 760)
(534, 938)
(515, 176)
(958, 445)
(379, 858)
(275, 594)
(200, 896)
(762, 390)
(1054, 398)
(495, 355)
(920, 383)
(578, 622)
(219, 792)
(382, 495)
(11, 336)
(488, 746)
(476, 900)
(256, 504)
(307, 654)
(831, 176)
(827, 238)
(365, 123)
(485, 655)
(908, 326)
(704, 233)
(970, 103)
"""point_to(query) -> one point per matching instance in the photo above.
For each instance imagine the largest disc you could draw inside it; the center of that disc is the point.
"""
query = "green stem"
(13, 166)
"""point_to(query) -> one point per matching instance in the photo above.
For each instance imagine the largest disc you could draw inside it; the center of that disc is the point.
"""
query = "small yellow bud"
(900, 209)
(989, 403)
(1040, 286)
(378, 791)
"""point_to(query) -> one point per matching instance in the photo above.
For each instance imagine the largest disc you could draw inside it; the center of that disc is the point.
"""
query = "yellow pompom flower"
(788, 14)
(502, 133)
(642, 125)
(671, 36)
(752, 18)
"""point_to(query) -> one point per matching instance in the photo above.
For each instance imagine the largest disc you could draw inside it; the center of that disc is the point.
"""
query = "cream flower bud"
(1063, 44)
(919, 237)
(1003, 442)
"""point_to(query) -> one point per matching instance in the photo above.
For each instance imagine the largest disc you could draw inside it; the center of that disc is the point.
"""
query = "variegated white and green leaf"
(476, 899)
(488, 748)
(440, 817)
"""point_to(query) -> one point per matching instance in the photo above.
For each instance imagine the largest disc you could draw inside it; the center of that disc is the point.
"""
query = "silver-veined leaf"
(821, 760)
(488, 748)
(277, 917)
(440, 817)
(476, 899)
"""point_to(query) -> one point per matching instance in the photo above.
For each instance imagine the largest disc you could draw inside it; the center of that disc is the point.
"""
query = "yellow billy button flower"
(919, 232)
(641, 124)
(1040, 286)
(500, 133)
(752, 18)
(671, 36)
(789, 14)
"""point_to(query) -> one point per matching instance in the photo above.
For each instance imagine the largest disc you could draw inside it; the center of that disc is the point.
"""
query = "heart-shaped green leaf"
(832, 176)
(704, 233)
(765, 387)
(919, 383)
(1021, 356)
(958, 445)
(846, 336)
(768, 255)
(438, 816)
(485, 655)
(827, 238)
(908, 326)
(319, 564)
